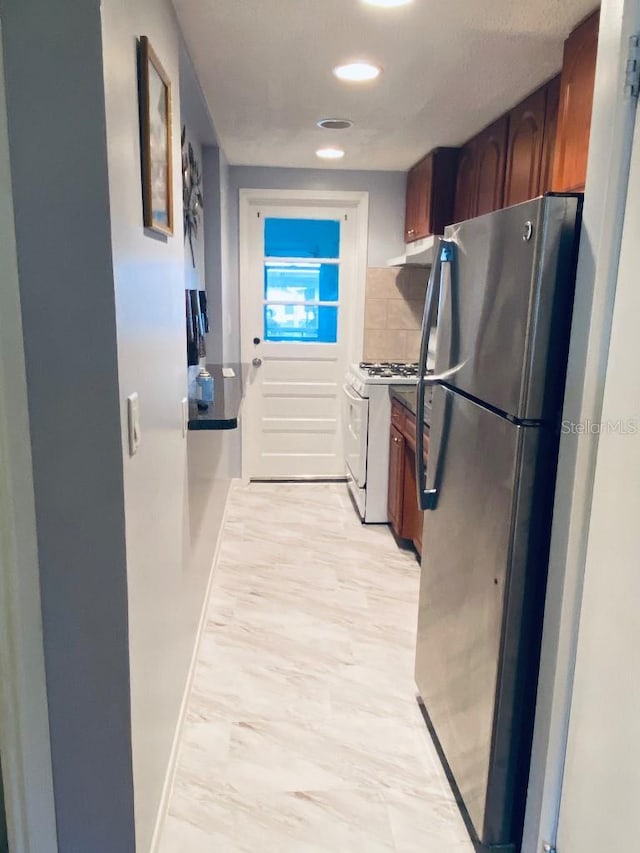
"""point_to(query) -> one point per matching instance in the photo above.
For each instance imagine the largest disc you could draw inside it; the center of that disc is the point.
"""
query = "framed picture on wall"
(155, 141)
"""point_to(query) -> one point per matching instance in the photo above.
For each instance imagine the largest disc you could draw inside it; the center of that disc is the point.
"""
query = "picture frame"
(155, 142)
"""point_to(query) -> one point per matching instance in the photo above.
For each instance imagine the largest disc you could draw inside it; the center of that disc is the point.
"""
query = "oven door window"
(356, 425)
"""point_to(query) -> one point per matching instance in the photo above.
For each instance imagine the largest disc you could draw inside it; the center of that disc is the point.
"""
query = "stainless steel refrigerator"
(500, 297)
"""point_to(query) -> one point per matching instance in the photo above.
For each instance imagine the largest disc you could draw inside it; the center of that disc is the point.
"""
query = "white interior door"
(601, 785)
(300, 293)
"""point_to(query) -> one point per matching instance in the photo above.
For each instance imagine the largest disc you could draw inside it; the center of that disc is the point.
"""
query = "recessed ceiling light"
(357, 72)
(388, 3)
(330, 153)
(335, 123)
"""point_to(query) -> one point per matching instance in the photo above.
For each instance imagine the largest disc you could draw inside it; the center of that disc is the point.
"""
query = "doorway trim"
(24, 719)
(356, 201)
(611, 140)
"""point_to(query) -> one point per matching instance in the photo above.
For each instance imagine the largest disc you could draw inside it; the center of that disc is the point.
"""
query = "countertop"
(406, 395)
(227, 397)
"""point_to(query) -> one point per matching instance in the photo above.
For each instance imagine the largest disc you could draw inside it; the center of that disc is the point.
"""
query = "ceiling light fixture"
(335, 123)
(388, 3)
(330, 153)
(357, 72)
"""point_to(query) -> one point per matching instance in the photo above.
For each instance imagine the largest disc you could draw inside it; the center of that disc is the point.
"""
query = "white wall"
(386, 221)
(175, 490)
(173, 500)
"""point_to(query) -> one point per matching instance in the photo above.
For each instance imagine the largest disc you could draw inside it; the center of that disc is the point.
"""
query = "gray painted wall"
(56, 120)
(386, 221)
(193, 105)
(212, 238)
(175, 490)
(148, 273)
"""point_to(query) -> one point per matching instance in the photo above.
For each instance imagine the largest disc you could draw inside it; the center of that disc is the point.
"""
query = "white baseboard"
(175, 747)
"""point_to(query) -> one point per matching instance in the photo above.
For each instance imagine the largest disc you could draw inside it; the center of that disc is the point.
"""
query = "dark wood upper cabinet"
(525, 148)
(576, 103)
(539, 146)
(465, 200)
(430, 193)
(480, 183)
(491, 157)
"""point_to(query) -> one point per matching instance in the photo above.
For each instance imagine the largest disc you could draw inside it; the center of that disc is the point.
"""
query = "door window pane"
(301, 282)
(301, 238)
(304, 323)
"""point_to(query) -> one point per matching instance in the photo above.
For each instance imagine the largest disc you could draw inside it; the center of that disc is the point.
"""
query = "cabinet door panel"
(411, 215)
(465, 200)
(576, 103)
(492, 150)
(550, 133)
(411, 514)
(396, 480)
(424, 196)
(430, 193)
(524, 150)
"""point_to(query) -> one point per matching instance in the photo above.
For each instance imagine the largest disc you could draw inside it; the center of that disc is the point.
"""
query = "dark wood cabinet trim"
(404, 515)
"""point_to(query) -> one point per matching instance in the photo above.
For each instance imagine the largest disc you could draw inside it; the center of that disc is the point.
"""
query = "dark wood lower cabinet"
(412, 517)
(405, 517)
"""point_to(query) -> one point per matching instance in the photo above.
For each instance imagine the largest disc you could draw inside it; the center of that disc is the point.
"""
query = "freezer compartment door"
(505, 306)
(470, 659)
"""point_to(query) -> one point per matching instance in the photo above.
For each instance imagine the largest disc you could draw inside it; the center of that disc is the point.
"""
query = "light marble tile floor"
(302, 732)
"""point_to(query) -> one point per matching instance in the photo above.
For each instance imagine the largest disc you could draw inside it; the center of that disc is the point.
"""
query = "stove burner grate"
(389, 369)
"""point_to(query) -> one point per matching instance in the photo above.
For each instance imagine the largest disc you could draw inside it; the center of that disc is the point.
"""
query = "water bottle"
(204, 389)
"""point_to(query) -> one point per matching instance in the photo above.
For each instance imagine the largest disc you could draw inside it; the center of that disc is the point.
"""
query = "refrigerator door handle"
(443, 254)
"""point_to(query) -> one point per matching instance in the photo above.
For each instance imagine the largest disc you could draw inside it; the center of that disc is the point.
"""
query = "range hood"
(416, 254)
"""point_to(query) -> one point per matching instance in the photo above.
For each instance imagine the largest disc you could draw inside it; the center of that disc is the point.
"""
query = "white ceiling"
(450, 67)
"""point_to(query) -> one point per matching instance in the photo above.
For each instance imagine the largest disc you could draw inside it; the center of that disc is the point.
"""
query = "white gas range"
(367, 421)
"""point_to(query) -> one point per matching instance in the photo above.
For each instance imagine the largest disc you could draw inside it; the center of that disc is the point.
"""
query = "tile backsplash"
(394, 302)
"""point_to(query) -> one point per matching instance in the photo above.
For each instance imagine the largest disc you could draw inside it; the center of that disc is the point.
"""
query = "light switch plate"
(185, 416)
(133, 416)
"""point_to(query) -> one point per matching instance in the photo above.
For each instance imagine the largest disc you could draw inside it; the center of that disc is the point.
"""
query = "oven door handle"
(352, 395)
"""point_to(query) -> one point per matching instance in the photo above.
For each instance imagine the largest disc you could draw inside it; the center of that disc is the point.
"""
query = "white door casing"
(601, 785)
(607, 178)
(24, 722)
(291, 422)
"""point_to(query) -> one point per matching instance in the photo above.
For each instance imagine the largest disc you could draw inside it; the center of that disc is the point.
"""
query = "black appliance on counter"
(197, 325)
